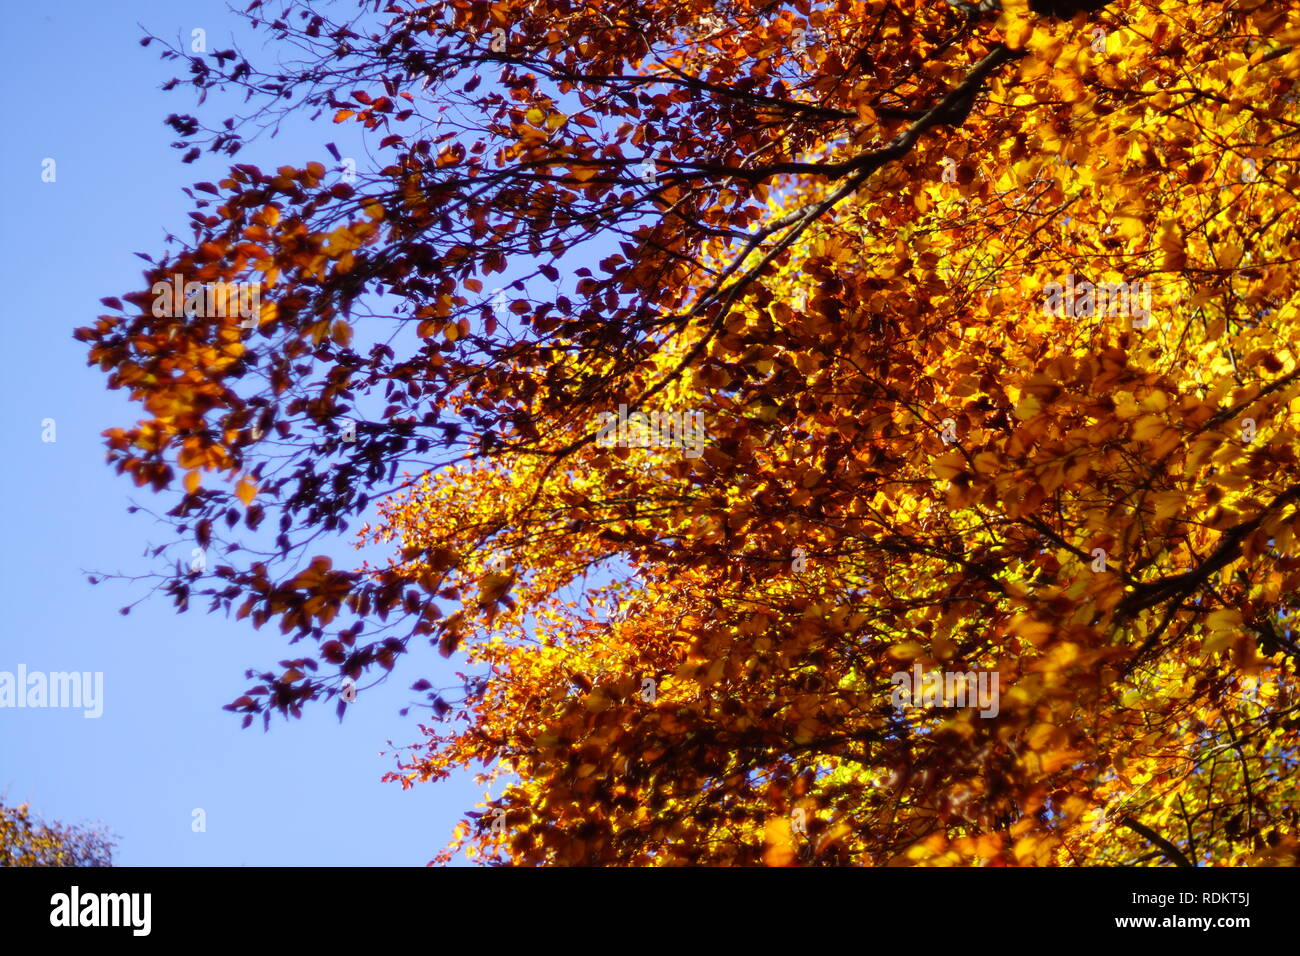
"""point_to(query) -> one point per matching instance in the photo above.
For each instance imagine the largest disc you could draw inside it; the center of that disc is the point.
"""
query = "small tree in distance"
(27, 841)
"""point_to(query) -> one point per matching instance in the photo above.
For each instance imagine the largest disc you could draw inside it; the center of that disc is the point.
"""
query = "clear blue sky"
(79, 89)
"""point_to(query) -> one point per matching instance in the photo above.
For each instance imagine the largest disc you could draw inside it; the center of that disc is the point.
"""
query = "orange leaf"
(246, 490)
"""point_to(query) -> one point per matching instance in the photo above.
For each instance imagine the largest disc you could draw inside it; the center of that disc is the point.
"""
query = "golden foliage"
(991, 323)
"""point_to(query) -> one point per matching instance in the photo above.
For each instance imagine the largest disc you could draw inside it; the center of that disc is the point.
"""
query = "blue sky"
(80, 90)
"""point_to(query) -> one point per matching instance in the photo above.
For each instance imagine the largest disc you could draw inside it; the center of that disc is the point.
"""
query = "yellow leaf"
(1024, 849)
(495, 585)
(1035, 632)
(1169, 503)
(1028, 407)
(1218, 640)
(1131, 227)
(1170, 238)
(949, 466)
(1155, 402)
(1224, 620)
(780, 842)
(1040, 736)
(1148, 427)
(906, 651)
(806, 730)
(246, 490)
(987, 462)
(1228, 255)
(1015, 23)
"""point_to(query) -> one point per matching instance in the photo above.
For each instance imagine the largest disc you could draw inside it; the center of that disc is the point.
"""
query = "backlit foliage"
(830, 228)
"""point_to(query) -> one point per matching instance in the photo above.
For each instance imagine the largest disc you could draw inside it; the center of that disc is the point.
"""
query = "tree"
(25, 841)
(986, 313)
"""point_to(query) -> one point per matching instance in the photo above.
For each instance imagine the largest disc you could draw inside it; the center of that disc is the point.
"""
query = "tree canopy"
(27, 841)
(972, 330)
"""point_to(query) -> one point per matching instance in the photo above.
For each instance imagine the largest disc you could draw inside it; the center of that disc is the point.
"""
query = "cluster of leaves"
(25, 841)
(910, 461)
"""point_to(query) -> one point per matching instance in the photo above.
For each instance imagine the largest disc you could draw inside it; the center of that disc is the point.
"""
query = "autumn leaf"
(246, 490)
(792, 365)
